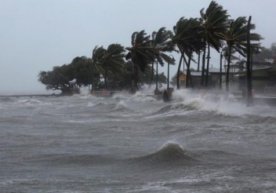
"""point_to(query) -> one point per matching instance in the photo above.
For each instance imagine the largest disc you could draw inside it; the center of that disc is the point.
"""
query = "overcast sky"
(36, 35)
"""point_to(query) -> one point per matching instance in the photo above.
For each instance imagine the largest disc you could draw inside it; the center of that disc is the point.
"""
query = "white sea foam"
(121, 95)
(31, 102)
(91, 104)
(121, 105)
(220, 103)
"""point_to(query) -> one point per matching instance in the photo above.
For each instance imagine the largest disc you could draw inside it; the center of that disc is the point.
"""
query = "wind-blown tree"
(187, 37)
(59, 79)
(162, 43)
(236, 40)
(214, 22)
(112, 61)
(97, 55)
(141, 55)
(109, 62)
(96, 63)
(69, 77)
(82, 72)
(95, 75)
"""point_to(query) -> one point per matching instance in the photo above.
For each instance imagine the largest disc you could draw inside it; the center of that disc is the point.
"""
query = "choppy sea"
(197, 143)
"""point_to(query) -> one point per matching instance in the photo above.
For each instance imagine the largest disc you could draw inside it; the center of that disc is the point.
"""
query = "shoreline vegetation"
(117, 68)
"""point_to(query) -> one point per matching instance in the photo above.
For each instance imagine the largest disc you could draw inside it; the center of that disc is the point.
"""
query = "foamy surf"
(96, 144)
(220, 103)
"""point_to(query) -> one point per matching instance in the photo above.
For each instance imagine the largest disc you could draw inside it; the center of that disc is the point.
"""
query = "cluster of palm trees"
(214, 29)
(152, 50)
(190, 37)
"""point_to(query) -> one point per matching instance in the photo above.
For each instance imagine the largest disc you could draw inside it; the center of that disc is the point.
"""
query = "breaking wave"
(170, 153)
(220, 103)
(177, 107)
(121, 106)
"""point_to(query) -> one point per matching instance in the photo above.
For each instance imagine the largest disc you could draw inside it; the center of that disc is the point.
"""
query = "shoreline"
(257, 99)
(30, 95)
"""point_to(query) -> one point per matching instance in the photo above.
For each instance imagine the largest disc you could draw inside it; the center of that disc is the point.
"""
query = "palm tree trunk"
(105, 79)
(228, 67)
(156, 78)
(203, 67)
(208, 63)
(198, 62)
(178, 72)
(134, 81)
(220, 71)
(168, 77)
(187, 72)
(248, 66)
(251, 58)
(188, 80)
(152, 72)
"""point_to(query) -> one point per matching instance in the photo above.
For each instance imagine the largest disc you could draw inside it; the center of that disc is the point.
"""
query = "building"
(263, 77)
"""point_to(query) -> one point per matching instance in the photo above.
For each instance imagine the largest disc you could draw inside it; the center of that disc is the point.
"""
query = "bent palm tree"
(214, 22)
(108, 60)
(96, 60)
(113, 60)
(236, 39)
(187, 37)
(140, 53)
(161, 43)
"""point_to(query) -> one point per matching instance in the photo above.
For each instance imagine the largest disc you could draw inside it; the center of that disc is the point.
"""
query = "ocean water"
(197, 143)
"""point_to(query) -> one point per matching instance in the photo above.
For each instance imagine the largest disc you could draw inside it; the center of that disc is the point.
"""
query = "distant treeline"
(118, 67)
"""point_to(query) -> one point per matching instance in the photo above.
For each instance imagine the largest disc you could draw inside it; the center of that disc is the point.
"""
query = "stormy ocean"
(197, 143)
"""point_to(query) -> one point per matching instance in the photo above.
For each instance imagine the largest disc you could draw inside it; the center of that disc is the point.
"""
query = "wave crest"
(169, 153)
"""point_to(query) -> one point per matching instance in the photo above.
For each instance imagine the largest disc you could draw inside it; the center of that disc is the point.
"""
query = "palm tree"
(140, 53)
(96, 61)
(108, 60)
(187, 37)
(236, 39)
(161, 43)
(113, 60)
(214, 22)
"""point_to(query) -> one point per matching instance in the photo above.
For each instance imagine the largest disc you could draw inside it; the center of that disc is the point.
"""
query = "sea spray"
(220, 103)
